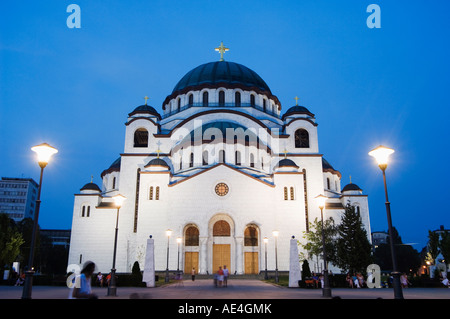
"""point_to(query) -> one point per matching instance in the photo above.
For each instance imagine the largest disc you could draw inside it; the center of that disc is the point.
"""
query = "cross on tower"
(146, 98)
(158, 150)
(222, 49)
(296, 100)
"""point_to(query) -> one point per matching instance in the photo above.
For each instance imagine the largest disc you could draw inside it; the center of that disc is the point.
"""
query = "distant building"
(57, 237)
(378, 238)
(18, 197)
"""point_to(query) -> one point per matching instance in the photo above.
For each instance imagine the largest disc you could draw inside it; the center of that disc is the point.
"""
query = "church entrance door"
(251, 262)
(190, 261)
(221, 256)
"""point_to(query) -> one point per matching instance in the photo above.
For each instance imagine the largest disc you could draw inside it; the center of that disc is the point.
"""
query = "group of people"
(221, 277)
(101, 279)
(357, 281)
(314, 280)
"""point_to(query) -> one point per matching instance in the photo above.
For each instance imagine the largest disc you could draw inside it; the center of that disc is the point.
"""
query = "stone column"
(149, 267)
(294, 264)
(239, 255)
(203, 255)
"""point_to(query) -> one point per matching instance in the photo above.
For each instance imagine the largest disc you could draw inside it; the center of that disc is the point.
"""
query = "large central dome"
(222, 73)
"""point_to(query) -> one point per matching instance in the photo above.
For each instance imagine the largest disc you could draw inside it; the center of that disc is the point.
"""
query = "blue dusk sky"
(74, 87)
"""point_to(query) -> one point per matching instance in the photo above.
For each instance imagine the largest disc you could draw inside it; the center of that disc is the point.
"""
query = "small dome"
(157, 162)
(351, 187)
(297, 109)
(115, 167)
(91, 187)
(326, 167)
(145, 109)
(286, 163)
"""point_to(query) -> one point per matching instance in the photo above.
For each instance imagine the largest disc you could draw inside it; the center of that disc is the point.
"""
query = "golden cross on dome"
(92, 178)
(158, 150)
(222, 49)
(146, 98)
(285, 152)
(296, 100)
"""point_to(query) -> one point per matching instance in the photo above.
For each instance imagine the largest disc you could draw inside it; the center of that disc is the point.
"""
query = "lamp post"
(168, 234)
(275, 234)
(266, 240)
(178, 261)
(381, 155)
(112, 288)
(44, 152)
(326, 289)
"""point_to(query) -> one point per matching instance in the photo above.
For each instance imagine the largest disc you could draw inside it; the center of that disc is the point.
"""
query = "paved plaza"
(237, 289)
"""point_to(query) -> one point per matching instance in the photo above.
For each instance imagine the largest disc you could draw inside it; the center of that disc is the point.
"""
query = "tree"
(314, 245)
(353, 247)
(444, 245)
(10, 240)
(433, 245)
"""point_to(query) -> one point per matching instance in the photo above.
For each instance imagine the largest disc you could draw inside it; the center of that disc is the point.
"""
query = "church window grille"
(301, 138)
(221, 189)
(292, 193)
(205, 99)
(191, 236)
(157, 193)
(251, 236)
(221, 98)
(237, 99)
(285, 193)
(150, 193)
(221, 228)
(141, 138)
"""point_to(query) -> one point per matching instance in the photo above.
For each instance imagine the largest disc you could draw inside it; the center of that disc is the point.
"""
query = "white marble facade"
(222, 195)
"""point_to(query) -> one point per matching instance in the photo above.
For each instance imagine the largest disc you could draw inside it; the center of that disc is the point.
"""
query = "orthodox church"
(222, 177)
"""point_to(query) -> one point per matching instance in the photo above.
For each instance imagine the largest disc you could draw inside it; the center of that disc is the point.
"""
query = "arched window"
(157, 193)
(205, 98)
(237, 99)
(191, 99)
(221, 156)
(205, 158)
(191, 160)
(221, 228)
(114, 183)
(264, 105)
(179, 104)
(191, 237)
(237, 158)
(252, 160)
(301, 138)
(150, 193)
(141, 138)
(85, 211)
(251, 236)
(221, 98)
(292, 193)
(328, 183)
(252, 100)
(285, 193)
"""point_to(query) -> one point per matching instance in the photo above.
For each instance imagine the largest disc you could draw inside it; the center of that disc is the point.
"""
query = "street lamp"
(112, 288)
(275, 234)
(168, 234)
(179, 244)
(266, 240)
(381, 155)
(44, 152)
(326, 289)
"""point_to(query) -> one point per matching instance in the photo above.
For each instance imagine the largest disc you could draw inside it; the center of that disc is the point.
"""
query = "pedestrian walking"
(193, 273)
(226, 273)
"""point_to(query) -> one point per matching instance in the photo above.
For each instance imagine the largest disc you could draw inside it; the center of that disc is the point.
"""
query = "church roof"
(115, 167)
(91, 186)
(221, 72)
(351, 187)
(297, 109)
(157, 162)
(286, 162)
(326, 167)
(145, 109)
